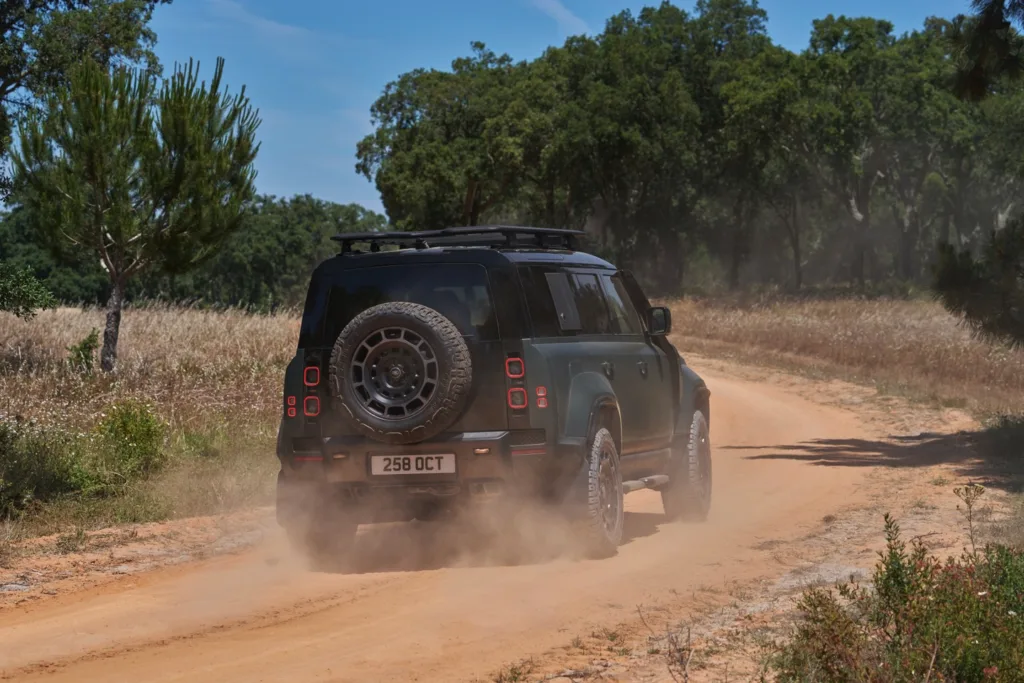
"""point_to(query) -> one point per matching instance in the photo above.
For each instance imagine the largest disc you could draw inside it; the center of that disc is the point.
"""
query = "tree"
(268, 261)
(42, 39)
(21, 294)
(985, 289)
(436, 157)
(148, 178)
(988, 49)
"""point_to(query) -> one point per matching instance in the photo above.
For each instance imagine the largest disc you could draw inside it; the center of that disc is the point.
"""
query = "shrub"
(82, 356)
(21, 294)
(38, 464)
(924, 619)
(131, 439)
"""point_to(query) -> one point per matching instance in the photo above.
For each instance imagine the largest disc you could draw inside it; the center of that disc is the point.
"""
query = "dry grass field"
(212, 381)
(909, 347)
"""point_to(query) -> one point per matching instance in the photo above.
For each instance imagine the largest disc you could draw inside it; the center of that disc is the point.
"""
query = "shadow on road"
(422, 546)
(993, 457)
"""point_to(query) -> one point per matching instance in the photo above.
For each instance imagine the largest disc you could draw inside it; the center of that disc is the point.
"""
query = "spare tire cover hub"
(394, 372)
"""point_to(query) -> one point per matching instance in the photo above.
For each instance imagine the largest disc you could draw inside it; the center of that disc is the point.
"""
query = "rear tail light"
(291, 406)
(311, 406)
(311, 376)
(515, 368)
(517, 399)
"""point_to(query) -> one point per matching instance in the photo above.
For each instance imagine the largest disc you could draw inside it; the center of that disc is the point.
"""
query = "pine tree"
(148, 176)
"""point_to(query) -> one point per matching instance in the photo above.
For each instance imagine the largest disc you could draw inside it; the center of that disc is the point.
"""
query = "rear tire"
(688, 495)
(602, 527)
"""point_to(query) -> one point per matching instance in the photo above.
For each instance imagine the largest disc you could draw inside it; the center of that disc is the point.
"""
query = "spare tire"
(401, 372)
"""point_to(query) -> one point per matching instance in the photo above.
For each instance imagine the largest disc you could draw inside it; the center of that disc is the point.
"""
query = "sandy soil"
(803, 471)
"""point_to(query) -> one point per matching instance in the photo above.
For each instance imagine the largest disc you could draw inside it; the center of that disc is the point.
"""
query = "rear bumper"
(487, 464)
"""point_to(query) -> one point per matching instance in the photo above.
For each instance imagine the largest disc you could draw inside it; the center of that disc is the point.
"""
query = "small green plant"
(577, 643)
(82, 356)
(515, 673)
(132, 438)
(71, 542)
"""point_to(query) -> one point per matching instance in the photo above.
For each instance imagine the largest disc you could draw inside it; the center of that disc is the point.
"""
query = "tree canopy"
(146, 177)
(691, 144)
(692, 148)
(40, 40)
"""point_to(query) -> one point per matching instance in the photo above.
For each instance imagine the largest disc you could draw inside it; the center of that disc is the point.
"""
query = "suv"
(435, 368)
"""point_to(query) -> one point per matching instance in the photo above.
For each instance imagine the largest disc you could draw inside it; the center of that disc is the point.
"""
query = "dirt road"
(417, 614)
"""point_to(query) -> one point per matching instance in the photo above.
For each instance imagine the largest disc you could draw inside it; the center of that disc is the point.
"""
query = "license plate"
(413, 464)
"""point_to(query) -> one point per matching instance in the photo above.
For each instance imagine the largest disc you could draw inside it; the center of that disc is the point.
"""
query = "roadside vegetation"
(912, 347)
(185, 427)
(921, 618)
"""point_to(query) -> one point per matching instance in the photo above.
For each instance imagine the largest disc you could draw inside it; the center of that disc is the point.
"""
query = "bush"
(21, 294)
(38, 464)
(82, 356)
(959, 620)
(131, 439)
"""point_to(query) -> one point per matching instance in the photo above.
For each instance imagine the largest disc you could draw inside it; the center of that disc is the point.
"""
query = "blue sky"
(314, 67)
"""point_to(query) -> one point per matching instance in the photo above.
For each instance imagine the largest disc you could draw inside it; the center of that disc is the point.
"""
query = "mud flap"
(574, 501)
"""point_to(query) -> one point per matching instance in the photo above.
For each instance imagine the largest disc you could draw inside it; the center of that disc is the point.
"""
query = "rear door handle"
(608, 368)
(643, 367)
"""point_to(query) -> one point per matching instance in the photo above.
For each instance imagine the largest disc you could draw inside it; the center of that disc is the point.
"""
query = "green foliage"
(131, 441)
(268, 261)
(959, 620)
(82, 356)
(21, 294)
(38, 464)
(178, 172)
(986, 291)
(43, 39)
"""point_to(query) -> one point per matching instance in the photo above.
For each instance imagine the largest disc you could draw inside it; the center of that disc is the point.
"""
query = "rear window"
(458, 291)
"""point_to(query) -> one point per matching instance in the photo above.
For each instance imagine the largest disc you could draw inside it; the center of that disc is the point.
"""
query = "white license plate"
(413, 464)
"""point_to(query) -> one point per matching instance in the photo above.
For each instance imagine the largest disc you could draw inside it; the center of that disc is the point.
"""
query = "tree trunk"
(794, 238)
(670, 265)
(739, 246)
(108, 356)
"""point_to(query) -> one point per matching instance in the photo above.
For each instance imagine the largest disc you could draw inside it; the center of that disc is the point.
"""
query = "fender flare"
(694, 395)
(590, 395)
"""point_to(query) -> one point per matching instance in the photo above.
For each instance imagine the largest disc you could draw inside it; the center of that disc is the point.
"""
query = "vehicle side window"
(624, 314)
(594, 317)
(569, 318)
(636, 295)
(549, 301)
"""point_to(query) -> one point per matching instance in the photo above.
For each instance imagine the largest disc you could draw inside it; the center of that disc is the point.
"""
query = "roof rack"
(471, 236)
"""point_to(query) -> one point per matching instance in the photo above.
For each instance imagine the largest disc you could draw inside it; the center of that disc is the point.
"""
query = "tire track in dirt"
(248, 618)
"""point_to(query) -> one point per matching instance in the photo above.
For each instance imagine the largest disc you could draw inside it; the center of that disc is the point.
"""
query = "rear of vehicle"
(408, 395)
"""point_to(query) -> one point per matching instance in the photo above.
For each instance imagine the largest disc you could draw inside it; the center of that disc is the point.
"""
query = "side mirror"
(659, 321)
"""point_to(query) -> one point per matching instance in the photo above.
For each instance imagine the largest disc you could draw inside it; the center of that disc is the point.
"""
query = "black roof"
(497, 236)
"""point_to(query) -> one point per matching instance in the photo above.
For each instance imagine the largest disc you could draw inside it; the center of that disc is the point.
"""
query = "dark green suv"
(437, 368)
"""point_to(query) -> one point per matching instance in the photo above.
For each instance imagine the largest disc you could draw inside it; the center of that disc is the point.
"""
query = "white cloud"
(235, 11)
(569, 23)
